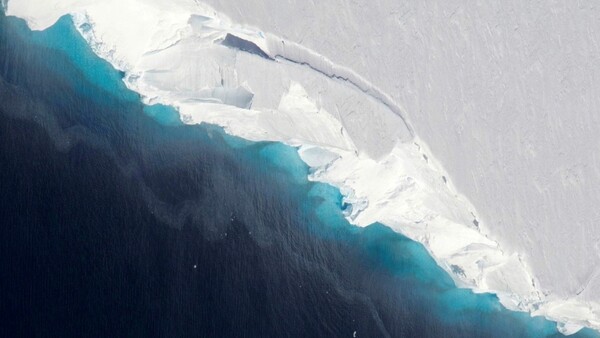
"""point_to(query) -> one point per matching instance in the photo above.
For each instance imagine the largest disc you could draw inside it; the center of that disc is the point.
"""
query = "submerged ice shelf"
(262, 87)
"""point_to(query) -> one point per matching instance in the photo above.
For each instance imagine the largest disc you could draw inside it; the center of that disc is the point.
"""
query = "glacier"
(332, 87)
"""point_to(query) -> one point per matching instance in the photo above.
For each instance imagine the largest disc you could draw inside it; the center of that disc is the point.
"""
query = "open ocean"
(116, 220)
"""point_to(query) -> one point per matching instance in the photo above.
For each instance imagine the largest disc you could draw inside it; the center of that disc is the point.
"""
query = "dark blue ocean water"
(118, 221)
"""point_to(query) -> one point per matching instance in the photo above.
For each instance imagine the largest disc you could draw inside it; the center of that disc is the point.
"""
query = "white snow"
(503, 93)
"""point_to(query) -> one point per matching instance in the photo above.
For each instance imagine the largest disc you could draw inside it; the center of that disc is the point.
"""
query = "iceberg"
(353, 134)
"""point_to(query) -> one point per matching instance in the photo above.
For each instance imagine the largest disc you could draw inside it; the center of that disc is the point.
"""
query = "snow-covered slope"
(504, 96)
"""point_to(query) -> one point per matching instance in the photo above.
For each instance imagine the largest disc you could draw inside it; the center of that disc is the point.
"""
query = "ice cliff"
(400, 106)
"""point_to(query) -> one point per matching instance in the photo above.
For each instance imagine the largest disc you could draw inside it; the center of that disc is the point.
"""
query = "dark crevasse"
(116, 220)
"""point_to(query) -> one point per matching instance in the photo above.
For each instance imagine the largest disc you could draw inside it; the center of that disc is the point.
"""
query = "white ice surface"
(504, 95)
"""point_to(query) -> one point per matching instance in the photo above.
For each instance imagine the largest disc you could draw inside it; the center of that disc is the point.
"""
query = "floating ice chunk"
(317, 157)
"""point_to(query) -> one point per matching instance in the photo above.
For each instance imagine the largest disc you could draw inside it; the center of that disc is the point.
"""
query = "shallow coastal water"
(119, 221)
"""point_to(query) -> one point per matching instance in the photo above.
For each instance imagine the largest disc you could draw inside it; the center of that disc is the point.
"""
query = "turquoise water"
(389, 270)
(165, 115)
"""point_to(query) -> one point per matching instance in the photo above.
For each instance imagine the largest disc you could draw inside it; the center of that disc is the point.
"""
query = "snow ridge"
(334, 71)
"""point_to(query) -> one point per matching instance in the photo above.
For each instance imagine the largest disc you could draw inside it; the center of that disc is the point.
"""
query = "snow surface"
(502, 93)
